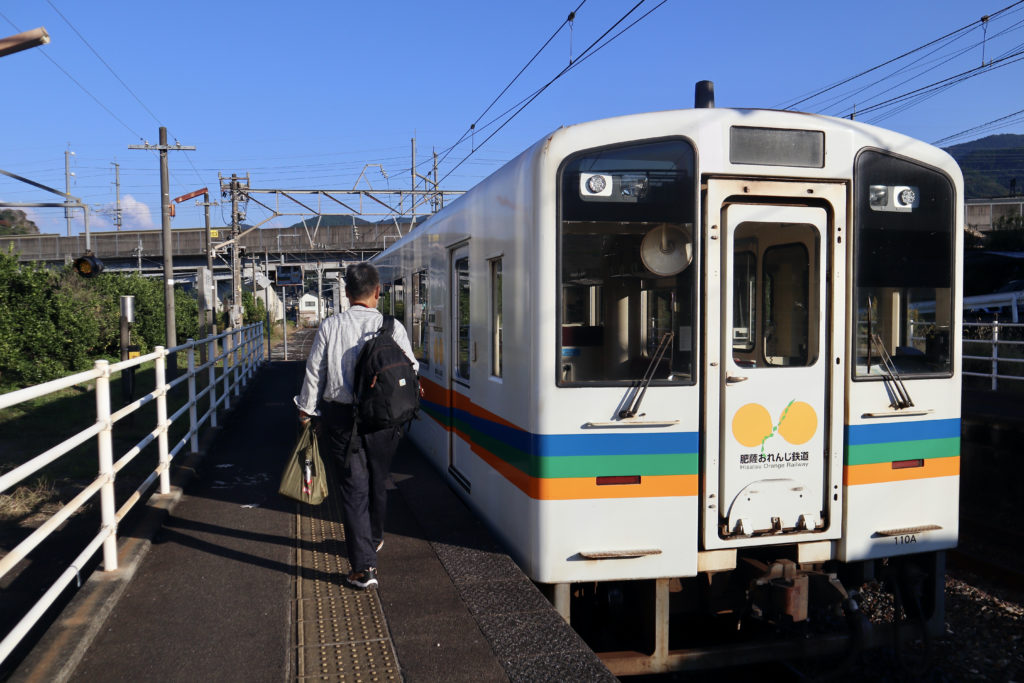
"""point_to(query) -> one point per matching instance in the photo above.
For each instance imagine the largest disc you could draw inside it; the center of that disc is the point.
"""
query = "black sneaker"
(362, 580)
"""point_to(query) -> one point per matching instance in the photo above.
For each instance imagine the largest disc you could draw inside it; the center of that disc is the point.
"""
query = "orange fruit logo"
(752, 424)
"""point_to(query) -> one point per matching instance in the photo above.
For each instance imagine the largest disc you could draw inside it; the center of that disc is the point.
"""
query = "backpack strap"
(388, 326)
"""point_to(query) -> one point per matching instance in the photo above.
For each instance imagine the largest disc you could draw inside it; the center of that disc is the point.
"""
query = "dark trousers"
(362, 482)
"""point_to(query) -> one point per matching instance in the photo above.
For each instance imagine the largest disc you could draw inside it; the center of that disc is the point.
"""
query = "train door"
(778, 442)
(459, 348)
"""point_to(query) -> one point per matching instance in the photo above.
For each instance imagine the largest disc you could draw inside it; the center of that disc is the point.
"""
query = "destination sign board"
(288, 276)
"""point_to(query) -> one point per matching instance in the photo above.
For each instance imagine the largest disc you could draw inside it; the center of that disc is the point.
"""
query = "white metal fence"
(987, 345)
(240, 354)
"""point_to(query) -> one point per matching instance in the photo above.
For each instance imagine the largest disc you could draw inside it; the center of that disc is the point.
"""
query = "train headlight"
(595, 185)
(898, 198)
(906, 197)
(603, 187)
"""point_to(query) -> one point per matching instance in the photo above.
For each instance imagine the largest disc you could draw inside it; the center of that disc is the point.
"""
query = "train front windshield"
(903, 267)
(626, 246)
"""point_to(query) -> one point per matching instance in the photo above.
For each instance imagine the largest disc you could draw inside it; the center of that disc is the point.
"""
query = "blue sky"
(303, 95)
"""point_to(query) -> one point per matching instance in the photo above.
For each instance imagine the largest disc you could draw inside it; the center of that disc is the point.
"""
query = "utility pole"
(236, 187)
(435, 202)
(165, 223)
(211, 319)
(236, 275)
(67, 183)
(266, 302)
(117, 195)
(412, 196)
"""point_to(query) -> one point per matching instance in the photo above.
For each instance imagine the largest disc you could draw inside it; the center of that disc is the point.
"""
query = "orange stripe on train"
(578, 488)
(878, 473)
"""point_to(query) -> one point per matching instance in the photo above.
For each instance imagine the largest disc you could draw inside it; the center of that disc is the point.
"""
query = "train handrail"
(240, 356)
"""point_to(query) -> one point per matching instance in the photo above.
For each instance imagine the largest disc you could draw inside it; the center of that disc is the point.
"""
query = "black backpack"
(386, 387)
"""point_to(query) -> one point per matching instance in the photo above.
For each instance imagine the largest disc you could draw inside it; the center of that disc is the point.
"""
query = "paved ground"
(241, 584)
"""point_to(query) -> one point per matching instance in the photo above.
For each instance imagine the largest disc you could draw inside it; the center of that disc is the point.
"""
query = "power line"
(472, 127)
(972, 24)
(104, 62)
(980, 127)
(83, 88)
(947, 82)
(584, 55)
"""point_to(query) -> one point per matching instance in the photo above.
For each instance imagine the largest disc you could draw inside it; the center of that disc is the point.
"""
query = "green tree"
(50, 323)
(15, 222)
(254, 311)
(54, 322)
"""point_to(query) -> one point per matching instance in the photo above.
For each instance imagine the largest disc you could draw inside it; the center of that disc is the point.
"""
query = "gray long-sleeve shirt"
(332, 360)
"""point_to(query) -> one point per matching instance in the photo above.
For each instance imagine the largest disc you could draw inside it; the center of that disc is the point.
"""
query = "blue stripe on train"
(902, 431)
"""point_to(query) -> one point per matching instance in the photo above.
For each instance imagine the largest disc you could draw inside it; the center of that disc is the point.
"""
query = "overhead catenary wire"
(983, 127)
(945, 82)
(104, 62)
(584, 55)
(469, 131)
(122, 82)
(76, 82)
(966, 27)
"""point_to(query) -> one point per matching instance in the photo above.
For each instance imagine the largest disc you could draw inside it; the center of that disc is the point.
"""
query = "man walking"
(328, 384)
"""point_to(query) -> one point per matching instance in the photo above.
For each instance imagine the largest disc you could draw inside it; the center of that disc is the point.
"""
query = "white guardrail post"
(105, 450)
(193, 427)
(212, 379)
(226, 368)
(236, 363)
(995, 354)
(237, 347)
(160, 373)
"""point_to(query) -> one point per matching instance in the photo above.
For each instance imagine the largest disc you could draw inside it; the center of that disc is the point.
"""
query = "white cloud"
(135, 215)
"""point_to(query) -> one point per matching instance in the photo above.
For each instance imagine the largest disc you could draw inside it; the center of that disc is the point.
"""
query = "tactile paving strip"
(341, 634)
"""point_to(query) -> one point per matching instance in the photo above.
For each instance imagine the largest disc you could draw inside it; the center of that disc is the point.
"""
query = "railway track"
(994, 552)
(300, 341)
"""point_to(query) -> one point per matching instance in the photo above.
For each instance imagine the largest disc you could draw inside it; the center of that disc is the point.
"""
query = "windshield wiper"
(659, 353)
(901, 397)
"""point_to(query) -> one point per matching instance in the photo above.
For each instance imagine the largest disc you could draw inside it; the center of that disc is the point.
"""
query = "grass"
(27, 500)
(31, 428)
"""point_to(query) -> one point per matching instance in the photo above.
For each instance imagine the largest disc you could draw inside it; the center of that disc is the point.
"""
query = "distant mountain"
(346, 220)
(16, 222)
(332, 219)
(993, 166)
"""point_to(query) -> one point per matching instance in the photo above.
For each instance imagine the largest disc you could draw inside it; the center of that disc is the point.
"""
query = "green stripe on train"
(922, 449)
(647, 464)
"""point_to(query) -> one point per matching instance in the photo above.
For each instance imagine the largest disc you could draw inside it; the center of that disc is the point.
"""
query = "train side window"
(420, 326)
(903, 267)
(398, 303)
(626, 248)
(496, 317)
(462, 317)
(744, 299)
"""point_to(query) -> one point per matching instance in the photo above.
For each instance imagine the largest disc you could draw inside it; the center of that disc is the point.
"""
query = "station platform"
(236, 583)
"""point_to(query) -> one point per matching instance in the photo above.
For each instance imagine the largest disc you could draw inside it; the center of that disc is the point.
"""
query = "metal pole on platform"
(165, 226)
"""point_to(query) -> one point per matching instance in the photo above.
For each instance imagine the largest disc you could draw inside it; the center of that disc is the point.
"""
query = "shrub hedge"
(53, 322)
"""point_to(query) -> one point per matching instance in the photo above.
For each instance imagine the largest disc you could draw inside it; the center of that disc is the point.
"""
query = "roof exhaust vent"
(704, 95)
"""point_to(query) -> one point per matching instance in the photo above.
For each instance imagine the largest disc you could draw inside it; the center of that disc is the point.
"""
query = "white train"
(700, 364)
